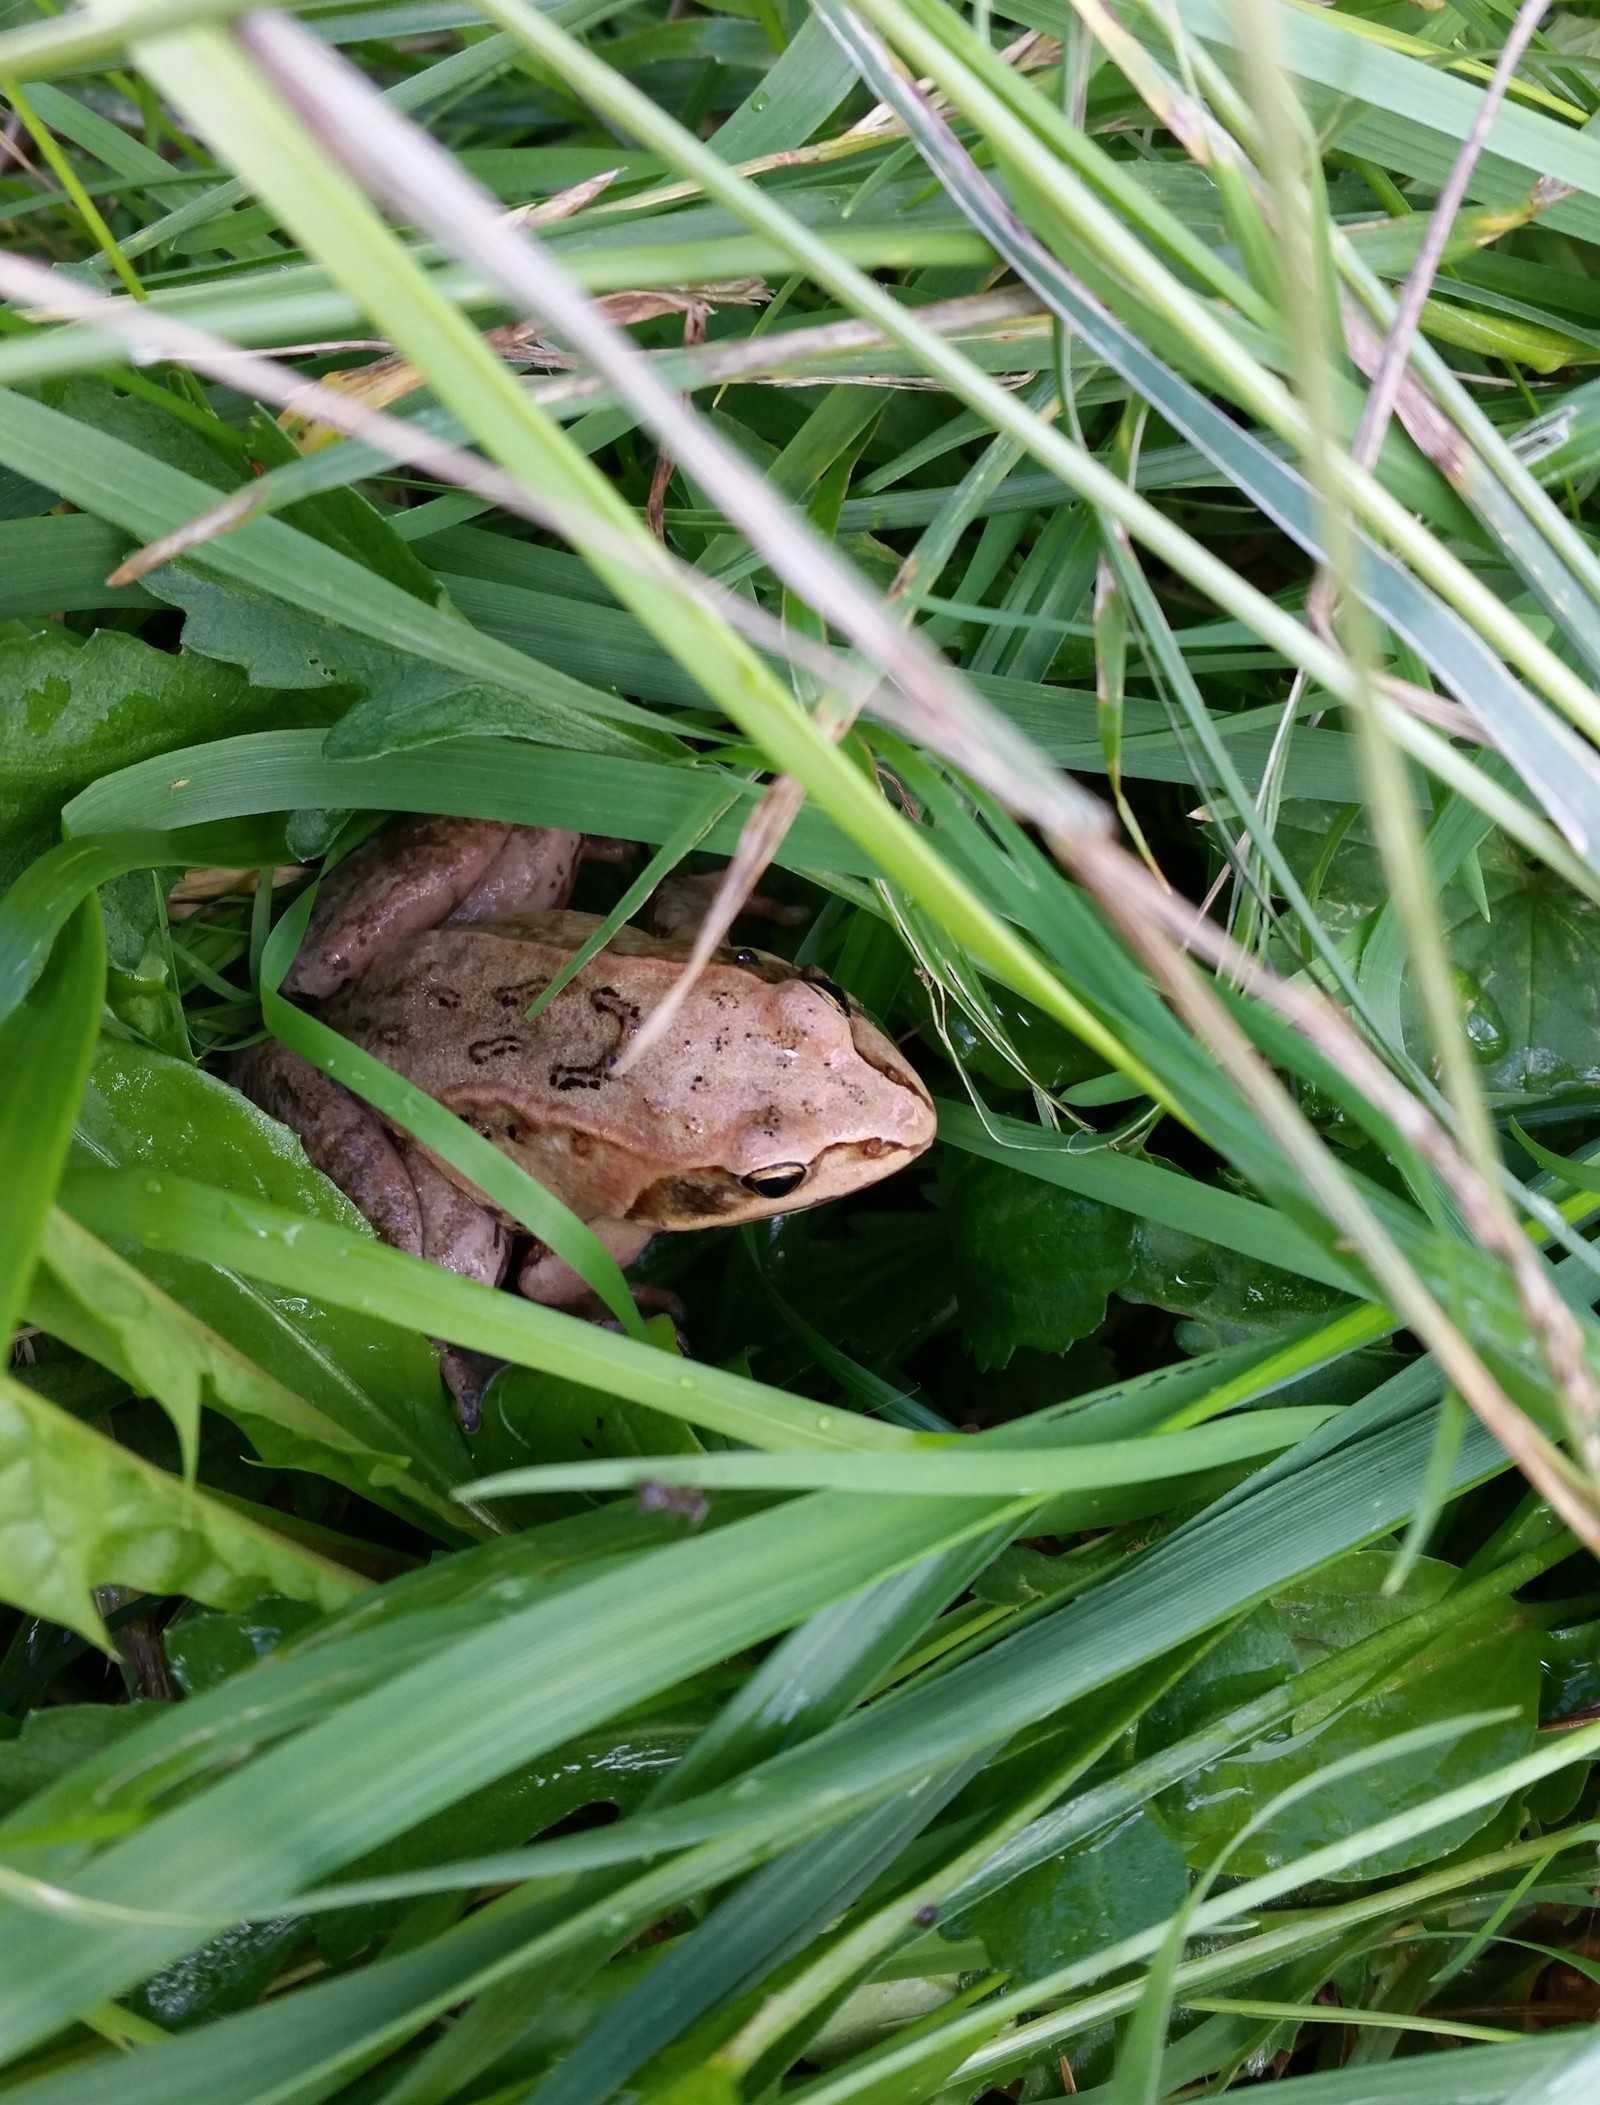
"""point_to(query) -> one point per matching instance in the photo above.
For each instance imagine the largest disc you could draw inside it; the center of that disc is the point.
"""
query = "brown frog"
(770, 1091)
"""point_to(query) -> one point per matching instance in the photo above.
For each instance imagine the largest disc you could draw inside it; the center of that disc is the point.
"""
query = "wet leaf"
(1489, 1661)
(530, 1417)
(225, 1973)
(71, 711)
(77, 1511)
(1063, 1909)
(1529, 977)
(379, 1384)
(140, 988)
(1227, 1297)
(1034, 1264)
(203, 1651)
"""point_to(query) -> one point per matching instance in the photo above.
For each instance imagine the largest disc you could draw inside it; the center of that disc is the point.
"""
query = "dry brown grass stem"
(1160, 927)
(1385, 388)
(151, 334)
(760, 838)
(399, 164)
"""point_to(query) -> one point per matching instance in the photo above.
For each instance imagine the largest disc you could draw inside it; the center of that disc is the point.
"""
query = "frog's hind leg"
(681, 903)
(411, 1204)
(535, 870)
(341, 1137)
(416, 875)
(403, 881)
(458, 1230)
(463, 1236)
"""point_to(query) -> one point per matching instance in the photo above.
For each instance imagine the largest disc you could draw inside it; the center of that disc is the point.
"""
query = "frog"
(771, 1090)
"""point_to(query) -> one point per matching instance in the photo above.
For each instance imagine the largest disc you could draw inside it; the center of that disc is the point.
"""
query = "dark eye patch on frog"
(708, 1194)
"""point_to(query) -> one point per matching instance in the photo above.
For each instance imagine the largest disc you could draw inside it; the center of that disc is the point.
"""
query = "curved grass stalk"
(941, 46)
(811, 252)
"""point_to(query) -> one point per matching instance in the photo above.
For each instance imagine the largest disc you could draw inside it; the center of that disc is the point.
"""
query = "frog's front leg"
(419, 874)
(550, 1280)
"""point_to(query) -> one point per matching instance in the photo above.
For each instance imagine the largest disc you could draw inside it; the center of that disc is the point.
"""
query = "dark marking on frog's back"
(483, 1050)
(588, 1076)
(592, 1074)
(521, 994)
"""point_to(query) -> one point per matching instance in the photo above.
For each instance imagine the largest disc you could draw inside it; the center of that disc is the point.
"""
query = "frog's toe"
(466, 1375)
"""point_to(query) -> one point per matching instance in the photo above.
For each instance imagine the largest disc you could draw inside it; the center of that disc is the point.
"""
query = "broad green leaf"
(1071, 1906)
(97, 1302)
(1492, 1660)
(377, 1381)
(1033, 1263)
(76, 710)
(1224, 1295)
(77, 1511)
(528, 1419)
(1529, 979)
(228, 1974)
(204, 1650)
(1526, 977)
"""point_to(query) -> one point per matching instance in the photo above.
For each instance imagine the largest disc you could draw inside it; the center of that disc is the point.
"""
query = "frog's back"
(761, 1070)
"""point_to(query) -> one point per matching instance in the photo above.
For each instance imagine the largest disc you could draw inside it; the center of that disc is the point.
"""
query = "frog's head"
(852, 1111)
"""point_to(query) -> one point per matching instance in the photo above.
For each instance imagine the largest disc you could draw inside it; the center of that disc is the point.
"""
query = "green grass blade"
(45, 1044)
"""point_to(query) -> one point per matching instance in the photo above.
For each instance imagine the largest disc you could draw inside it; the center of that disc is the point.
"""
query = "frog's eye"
(777, 1182)
(815, 977)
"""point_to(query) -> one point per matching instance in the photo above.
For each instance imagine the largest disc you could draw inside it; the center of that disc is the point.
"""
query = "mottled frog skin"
(771, 1090)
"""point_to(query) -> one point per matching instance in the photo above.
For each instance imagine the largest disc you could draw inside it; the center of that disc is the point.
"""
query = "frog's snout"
(912, 1121)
